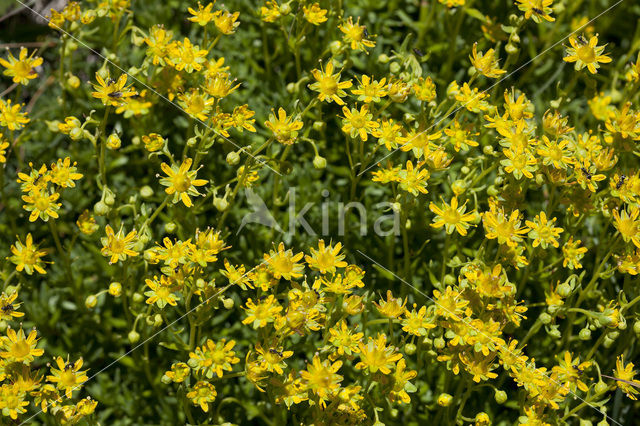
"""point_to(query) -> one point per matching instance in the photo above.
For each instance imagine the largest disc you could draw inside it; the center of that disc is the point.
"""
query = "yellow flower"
(450, 304)
(11, 117)
(377, 356)
(519, 162)
(425, 89)
(226, 21)
(416, 322)
(27, 256)
(160, 292)
(505, 228)
(241, 118)
(3, 150)
(87, 223)
(187, 56)
(214, 357)
(573, 253)
(8, 307)
(314, 14)
(326, 258)
(271, 11)
(272, 359)
(401, 384)
(283, 263)
(355, 34)
(413, 179)
(285, 129)
(21, 69)
(13, 401)
(536, 9)
(389, 134)
(486, 64)
(20, 348)
(452, 217)
(460, 137)
(358, 123)
(202, 16)
(159, 44)
(543, 232)
(569, 371)
(179, 371)
(181, 182)
(196, 104)
(67, 376)
(393, 307)
(370, 90)
(153, 142)
(42, 204)
(264, 312)
(112, 92)
(63, 173)
(328, 85)
(202, 394)
(472, 99)
(628, 225)
(344, 340)
(118, 246)
(625, 375)
(321, 378)
(586, 53)
(555, 153)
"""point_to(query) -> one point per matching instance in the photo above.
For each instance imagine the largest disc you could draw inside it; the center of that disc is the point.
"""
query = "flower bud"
(73, 82)
(444, 399)
(233, 158)
(449, 279)
(133, 336)
(137, 297)
(170, 227)
(157, 320)
(191, 142)
(564, 290)
(465, 170)
(607, 342)
(335, 46)
(511, 49)
(394, 67)
(585, 334)
(438, 343)
(101, 208)
(500, 396)
(636, 327)
(91, 301)
(545, 318)
(146, 191)
(319, 162)
(115, 289)
(319, 126)
(488, 150)
(220, 203)
(383, 58)
(113, 141)
(228, 303)
(601, 387)
(165, 379)
(410, 349)
(458, 187)
(353, 304)
(285, 9)
(109, 199)
(149, 320)
(76, 133)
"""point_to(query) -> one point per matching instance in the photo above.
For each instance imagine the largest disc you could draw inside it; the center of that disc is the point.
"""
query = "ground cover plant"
(319, 212)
